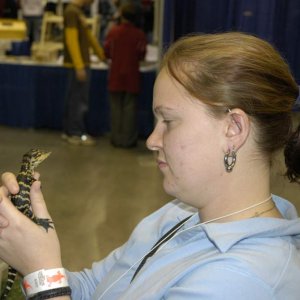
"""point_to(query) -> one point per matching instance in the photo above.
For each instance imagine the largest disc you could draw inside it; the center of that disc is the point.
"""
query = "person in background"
(125, 45)
(78, 38)
(106, 9)
(32, 12)
(223, 105)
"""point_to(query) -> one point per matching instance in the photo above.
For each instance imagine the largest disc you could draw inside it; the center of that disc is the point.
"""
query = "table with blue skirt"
(32, 96)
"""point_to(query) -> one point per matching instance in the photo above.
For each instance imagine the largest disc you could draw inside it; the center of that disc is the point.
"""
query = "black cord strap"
(48, 294)
(166, 236)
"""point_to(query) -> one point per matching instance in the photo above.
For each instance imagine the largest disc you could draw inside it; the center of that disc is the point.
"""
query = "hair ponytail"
(292, 156)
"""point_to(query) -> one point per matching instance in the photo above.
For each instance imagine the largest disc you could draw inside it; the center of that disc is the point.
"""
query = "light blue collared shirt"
(257, 258)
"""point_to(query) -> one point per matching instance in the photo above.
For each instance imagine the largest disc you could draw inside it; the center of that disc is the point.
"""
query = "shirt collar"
(226, 235)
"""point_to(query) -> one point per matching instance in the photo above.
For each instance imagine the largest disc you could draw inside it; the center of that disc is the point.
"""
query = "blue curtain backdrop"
(277, 21)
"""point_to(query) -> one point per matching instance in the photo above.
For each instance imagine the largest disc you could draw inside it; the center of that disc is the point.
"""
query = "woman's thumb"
(38, 204)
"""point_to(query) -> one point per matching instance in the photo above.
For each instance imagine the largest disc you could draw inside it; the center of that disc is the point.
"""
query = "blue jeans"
(76, 104)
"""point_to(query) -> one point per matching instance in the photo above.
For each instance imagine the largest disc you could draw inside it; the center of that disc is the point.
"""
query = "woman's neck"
(240, 195)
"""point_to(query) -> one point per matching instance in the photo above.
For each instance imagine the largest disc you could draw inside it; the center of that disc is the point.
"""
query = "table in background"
(32, 96)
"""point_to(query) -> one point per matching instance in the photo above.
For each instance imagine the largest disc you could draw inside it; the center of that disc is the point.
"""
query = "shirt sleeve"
(84, 283)
(73, 47)
(71, 35)
(95, 45)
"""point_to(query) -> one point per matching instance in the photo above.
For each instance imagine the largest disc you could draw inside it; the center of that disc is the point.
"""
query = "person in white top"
(32, 13)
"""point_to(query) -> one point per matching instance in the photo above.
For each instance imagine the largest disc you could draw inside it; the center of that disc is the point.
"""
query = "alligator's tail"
(12, 274)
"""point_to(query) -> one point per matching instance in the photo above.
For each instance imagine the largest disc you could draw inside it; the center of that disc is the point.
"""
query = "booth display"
(33, 81)
(11, 29)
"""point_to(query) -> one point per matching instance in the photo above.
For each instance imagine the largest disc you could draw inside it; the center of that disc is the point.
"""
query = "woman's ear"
(237, 127)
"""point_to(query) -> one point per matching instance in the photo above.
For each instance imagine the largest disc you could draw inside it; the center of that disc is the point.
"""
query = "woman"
(223, 106)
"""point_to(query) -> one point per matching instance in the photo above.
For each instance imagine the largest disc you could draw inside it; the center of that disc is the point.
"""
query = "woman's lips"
(161, 164)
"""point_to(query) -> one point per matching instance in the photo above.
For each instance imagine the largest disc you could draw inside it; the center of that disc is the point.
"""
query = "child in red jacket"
(125, 45)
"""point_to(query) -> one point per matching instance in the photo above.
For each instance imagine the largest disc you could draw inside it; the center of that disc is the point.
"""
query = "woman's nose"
(154, 141)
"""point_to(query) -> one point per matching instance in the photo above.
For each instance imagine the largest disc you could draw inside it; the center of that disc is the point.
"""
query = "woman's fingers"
(9, 181)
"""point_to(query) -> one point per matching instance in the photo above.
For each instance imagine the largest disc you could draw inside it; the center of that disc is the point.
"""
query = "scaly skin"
(21, 201)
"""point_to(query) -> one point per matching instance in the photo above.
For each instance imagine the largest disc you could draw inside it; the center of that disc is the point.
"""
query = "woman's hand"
(24, 245)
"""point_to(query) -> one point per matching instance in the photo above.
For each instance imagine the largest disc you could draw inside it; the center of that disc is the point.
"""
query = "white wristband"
(44, 280)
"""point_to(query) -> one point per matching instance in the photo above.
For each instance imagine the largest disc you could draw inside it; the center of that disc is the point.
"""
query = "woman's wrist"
(42, 263)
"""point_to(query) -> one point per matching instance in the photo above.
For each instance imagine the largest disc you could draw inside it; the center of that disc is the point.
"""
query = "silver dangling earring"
(229, 160)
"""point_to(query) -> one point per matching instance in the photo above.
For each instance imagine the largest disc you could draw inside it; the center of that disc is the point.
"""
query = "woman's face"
(187, 140)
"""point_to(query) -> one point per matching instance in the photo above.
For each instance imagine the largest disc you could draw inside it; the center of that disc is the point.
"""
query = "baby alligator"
(25, 178)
